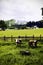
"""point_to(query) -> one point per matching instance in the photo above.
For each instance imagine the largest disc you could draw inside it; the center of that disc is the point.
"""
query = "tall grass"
(10, 54)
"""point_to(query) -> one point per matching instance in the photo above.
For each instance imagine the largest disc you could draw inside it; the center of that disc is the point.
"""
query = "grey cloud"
(21, 9)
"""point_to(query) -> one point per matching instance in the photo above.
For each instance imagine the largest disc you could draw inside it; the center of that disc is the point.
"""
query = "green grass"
(10, 54)
(27, 32)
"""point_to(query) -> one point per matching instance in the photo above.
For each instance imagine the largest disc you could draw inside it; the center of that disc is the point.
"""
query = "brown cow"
(32, 43)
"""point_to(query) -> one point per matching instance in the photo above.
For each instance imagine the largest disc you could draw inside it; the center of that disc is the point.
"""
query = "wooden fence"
(4, 38)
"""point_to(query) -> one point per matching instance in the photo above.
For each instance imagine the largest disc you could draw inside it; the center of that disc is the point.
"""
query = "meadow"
(10, 53)
(24, 32)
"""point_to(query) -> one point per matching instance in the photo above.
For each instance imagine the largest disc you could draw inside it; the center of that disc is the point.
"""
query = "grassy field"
(10, 53)
(28, 32)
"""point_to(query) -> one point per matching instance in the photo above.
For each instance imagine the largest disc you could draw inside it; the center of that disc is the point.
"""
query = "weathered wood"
(40, 38)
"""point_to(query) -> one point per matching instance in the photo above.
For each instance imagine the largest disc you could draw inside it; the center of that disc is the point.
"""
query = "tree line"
(33, 23)
(4, 26)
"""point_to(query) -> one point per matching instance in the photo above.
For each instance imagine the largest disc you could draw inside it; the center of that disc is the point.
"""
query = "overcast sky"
(28, 10)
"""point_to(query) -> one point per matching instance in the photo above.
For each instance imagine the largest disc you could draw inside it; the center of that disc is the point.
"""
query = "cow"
(23, 52)
(18, 42)
(32, 43)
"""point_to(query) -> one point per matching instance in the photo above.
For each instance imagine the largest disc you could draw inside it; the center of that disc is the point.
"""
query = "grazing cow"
(33, 43)
(18, 42)
(25, 52)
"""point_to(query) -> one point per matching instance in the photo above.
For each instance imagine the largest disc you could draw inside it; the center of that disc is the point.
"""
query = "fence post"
(25, 37)
(40, 37)
(11, 38)
(19, 36)
(33, 37)
(4, 38)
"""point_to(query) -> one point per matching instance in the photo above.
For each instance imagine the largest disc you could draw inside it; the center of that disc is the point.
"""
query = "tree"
(29, 24)
(39, 23)
(3, 25)
(33, 23)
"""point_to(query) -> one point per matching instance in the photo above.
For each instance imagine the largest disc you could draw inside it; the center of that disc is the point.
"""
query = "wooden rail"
(22, 37)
